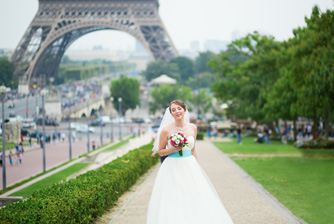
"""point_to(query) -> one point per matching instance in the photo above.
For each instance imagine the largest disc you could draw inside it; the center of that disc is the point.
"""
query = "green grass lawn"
(304, 185)
(250, 147)
(11, 145)
(118, 145)
(49, 181)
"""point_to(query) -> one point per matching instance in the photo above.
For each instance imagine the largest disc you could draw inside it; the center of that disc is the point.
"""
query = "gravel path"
(244, 199)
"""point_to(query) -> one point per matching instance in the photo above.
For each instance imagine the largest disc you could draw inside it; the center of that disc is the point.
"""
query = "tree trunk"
(315, 124)
(295, 128)
(326, 123)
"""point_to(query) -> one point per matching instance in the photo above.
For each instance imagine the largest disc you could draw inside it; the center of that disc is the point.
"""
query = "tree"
(185, 67)
(7, 73)
(160, 67)
(247, 79)
(202, 101)
(128, 89)
(201, 62)
(202, 80)
(163, 95)
(314, 48)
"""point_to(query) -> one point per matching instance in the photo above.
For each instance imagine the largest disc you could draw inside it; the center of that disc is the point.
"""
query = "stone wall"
(13, 131)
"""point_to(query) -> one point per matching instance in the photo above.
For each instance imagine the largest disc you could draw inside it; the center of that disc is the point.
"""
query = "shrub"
(316, 144)
(83, 199)
(200, 135)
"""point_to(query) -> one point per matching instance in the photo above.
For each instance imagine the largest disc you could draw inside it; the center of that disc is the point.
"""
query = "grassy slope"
(49, 181)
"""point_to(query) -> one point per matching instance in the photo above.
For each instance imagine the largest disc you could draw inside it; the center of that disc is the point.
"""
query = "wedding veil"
(166, 120)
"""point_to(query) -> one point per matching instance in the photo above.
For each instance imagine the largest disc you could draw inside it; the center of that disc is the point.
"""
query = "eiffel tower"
(58, 23)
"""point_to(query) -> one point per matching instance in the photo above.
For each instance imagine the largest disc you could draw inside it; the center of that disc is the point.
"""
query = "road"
(21, 105)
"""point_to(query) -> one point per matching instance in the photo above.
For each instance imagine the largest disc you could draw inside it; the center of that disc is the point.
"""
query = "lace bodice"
(191, 142)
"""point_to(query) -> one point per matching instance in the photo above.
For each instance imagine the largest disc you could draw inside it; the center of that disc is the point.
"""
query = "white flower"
(177, 142)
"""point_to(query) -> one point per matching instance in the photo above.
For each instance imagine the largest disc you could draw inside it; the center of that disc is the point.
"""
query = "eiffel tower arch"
(58, 23)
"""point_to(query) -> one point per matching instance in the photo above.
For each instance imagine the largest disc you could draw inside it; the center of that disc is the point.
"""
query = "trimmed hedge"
(316, 144)
(83, 199)
(200, 135)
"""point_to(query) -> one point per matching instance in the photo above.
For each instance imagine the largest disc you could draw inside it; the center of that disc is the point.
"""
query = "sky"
(185, 21)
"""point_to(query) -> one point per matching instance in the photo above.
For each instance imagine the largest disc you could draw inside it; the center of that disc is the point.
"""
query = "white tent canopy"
(163, 79)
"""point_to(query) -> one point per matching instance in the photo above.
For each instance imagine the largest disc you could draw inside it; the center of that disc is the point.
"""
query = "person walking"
(41, 141)
(10, 156)
(63, 137)
(54, 136)
(268, 135)
(239, 135)
(20, 158)
(30, 141)
(17, 157)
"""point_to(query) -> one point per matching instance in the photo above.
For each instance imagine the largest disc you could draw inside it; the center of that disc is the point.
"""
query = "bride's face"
(177, 111)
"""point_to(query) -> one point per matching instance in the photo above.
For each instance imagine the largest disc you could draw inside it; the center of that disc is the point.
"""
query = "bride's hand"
(177, 148)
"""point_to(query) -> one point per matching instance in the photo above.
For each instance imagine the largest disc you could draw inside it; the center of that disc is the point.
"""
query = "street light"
(101, 126)
(27, 110)
(2, 95)
(43, 92)
(111, 126)
(120, 114)
(88, 115)
(69, 125)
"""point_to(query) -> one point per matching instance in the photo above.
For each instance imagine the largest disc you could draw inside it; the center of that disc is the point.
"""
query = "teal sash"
(186, 153)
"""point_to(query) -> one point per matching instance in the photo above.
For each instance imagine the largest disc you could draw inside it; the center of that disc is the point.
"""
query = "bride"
(182, 193)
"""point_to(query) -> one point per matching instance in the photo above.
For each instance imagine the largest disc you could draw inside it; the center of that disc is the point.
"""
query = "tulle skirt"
(183, 194)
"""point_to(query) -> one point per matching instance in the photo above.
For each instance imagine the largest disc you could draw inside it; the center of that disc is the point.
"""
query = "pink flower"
(185, 140)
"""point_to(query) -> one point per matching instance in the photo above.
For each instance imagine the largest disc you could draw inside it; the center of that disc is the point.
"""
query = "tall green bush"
(83, 199)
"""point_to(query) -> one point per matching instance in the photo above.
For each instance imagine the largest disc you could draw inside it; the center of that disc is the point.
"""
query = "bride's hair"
(179, 103)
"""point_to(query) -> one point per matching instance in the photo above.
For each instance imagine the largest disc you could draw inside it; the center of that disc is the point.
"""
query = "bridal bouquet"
(178, 139)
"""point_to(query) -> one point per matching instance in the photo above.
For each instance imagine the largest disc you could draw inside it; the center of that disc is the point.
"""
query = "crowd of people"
(14, 159)
(264, 133)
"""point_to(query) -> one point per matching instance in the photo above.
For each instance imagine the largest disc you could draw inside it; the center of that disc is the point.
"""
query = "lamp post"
(101, 126)
(88, 115)
(37, 109)
(120, 114)
(111, 126)
(69, 125)
(2, 95)
(43, 122)
(27, 110)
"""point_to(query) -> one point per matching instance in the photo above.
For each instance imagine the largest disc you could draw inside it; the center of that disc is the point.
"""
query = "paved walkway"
(32, 160)
(245, 200)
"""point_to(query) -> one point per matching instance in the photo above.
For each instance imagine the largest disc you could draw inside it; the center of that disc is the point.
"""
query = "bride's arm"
(193, 152)
(163, 142)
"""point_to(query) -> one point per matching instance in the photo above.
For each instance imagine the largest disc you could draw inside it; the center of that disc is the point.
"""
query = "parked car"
(97, 123)
(12, 114)
(34, 134)
(138, 120)
(28, 123)
(83, 128)
(155, 128)
(25, 132)
(106, 119)
(48, 122)
(11, 105)
(15, 118)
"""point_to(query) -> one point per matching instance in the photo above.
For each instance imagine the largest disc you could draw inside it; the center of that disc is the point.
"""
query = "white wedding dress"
(183, 194)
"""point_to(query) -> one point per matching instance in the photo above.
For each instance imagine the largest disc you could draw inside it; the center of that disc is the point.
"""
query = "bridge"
(87, 108)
